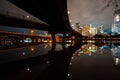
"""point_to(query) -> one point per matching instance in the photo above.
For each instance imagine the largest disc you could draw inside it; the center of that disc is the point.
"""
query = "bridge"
(54, 13)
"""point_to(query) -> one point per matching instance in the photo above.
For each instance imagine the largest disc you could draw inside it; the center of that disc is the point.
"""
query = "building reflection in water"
(92, 60)
(45, 46)
(86, 49)
(83, 61)
(115, 50)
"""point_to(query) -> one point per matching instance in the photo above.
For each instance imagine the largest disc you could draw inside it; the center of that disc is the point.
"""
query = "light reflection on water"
(27, 52)
(24, 52)
(89, 61)
(96, 62)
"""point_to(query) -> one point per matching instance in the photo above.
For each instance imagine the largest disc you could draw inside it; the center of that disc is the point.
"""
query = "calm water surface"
(61, 62)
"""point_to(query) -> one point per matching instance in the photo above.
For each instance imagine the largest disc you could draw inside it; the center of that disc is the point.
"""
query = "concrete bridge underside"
(54, 13)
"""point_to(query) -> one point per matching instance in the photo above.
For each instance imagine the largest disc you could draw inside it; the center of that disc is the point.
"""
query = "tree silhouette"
(114, 3)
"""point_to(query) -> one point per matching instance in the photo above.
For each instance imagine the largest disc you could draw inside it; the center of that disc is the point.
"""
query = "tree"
(114, 3)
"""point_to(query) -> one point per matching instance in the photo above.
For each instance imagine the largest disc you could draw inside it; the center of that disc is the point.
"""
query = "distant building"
(101, 29)
(93, 31)
(115, 28)
(85, 30)
(78, 27)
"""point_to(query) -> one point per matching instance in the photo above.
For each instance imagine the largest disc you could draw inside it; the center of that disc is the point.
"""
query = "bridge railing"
(19, 16)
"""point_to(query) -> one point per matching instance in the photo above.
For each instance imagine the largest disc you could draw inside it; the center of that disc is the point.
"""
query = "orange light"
(32, 31)
(50, 41)
(32, 49)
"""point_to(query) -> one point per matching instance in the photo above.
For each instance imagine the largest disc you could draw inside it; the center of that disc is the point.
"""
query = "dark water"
(61, 62)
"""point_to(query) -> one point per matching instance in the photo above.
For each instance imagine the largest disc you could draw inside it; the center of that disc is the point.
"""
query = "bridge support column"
(63, 41)
(72, 40)
(39, 40)
(53, 41)
(22, 39)
(53, 37)
(32, 40)
(79, 39)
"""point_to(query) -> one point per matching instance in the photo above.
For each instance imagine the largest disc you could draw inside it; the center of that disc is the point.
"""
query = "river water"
(61, 62)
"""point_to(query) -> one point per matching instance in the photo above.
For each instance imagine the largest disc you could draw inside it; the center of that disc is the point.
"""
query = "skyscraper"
(101, 29)
(115, 28)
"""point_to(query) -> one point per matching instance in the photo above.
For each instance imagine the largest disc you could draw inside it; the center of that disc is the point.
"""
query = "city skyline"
(90, 12)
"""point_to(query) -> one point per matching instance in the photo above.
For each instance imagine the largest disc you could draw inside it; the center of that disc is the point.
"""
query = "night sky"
(90, 12)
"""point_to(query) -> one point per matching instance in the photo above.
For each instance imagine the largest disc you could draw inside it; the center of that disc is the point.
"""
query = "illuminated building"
(115, 50)
(86, 49)
(115, 28)
(93, 48)
(85, 30)
(93, 31)
(78, 27)
(101, 29)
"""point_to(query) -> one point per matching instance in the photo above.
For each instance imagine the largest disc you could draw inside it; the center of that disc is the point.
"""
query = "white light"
(68, 12)
(117, 60)
(23, 53)
(72, 57)
(68, 74)
(28, 69)
(117, 18)
(89, 47)
(72, 25)
(27, 16)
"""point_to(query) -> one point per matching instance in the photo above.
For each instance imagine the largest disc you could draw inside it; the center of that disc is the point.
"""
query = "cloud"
(90, 12)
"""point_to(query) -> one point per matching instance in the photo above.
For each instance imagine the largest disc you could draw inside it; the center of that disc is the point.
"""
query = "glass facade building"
(115, 29)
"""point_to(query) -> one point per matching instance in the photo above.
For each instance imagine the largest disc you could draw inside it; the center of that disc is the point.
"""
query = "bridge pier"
(53, 41)
(63, 41)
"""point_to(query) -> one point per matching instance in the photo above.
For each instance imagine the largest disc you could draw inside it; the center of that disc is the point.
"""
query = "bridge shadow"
(51, 66)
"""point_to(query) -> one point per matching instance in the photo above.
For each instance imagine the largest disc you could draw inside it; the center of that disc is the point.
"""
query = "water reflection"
(86, 49)
(37, 62)
(16, 54)
(93, 61)
(61, 62)
(115, 49)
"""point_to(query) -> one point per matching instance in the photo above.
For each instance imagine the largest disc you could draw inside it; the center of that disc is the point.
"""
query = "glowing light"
(32, 49)
(28, 69)
(28, 16)
(117, 18)
(72, 25)
(23, 53)
(32, 31)
(50, 41)
(68, 12)
(68, 74)
(116, 60)
(72, 58)
(90, 47)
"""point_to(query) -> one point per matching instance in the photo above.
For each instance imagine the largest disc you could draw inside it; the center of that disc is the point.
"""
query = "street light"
(32, 31)
(27, 16)
(68, 12)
